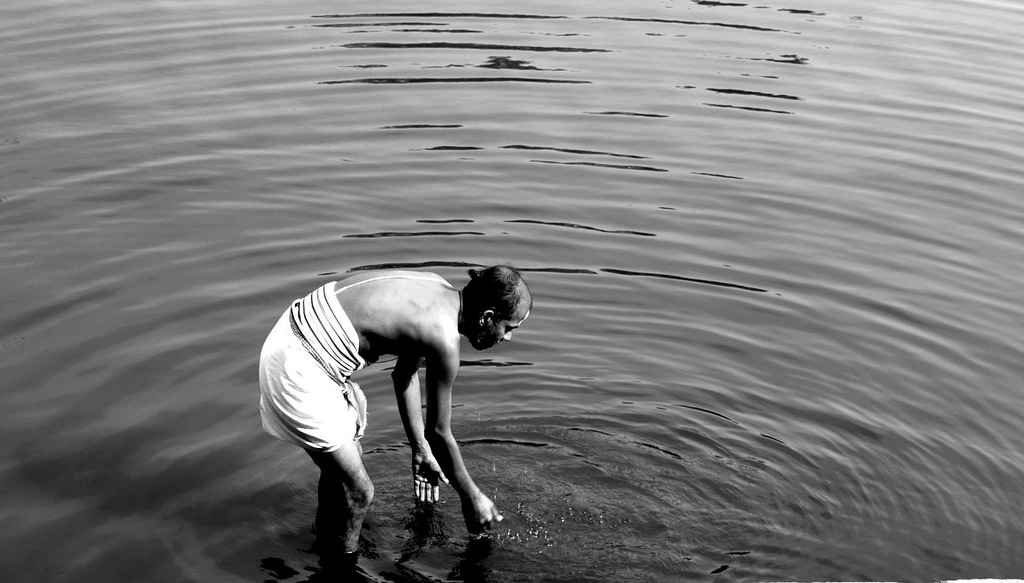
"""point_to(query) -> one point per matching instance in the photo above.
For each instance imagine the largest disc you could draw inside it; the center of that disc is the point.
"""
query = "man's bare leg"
(344, 495)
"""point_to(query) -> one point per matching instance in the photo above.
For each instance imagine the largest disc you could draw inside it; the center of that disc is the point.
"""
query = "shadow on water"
(425, 533)
(473, 564)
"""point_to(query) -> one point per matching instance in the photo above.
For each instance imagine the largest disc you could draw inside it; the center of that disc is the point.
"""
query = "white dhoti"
(302, 404)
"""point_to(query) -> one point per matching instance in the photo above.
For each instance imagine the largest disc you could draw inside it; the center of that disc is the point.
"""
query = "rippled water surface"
(776, 251)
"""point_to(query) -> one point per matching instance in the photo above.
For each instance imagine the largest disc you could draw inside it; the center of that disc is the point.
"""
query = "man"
(307, 398)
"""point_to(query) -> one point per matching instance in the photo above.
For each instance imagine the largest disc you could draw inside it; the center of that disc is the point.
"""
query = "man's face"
(490, 332)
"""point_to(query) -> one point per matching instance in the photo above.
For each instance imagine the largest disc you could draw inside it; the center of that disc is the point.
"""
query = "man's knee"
(356, 490)
(360, 494)
(342, 475)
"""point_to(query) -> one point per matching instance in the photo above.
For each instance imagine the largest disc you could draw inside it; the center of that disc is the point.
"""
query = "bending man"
(308, 399)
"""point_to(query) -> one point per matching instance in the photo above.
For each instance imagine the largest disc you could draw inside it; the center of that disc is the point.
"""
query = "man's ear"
(487, 315)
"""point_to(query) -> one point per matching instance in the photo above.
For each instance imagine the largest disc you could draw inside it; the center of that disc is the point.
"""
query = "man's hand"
(425, 476)
(480, 514)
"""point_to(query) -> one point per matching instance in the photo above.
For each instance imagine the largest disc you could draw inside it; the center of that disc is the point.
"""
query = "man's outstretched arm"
(425, 469)
(477, 508)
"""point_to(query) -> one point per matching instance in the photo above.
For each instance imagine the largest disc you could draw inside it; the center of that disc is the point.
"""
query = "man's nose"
(506, 337)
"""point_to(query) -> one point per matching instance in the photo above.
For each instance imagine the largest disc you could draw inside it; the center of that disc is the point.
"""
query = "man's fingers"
(426, 486)
(424, 491)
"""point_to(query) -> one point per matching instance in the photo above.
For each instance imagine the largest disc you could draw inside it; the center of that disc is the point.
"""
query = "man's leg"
(344, 495)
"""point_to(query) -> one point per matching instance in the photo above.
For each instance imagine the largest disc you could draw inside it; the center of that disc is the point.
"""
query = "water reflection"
(473, 564)
(426, 528)
(426, 531)
(278, 569)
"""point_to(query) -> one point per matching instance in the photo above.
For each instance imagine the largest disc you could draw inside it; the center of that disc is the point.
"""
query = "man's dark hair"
(500, 288)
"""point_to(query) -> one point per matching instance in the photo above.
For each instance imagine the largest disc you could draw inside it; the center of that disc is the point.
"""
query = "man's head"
(494, 302)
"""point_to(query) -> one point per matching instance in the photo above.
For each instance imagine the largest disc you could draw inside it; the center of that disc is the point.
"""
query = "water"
(775, 250)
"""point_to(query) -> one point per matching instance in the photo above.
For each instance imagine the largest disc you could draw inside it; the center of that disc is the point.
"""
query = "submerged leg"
(344, 496)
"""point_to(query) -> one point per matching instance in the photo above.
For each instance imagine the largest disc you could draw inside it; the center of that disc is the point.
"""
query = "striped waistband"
(316, 355)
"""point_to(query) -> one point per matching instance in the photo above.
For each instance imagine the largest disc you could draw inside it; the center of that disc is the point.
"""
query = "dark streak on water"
(599, 165)
(713, 175)
(494, 363)
(418, 265)
(443, 15)
(377, 24)
(511, 442)
(573, 151)
(423, 80)
(451, 148)
(412, 234)
(753, 93)
(628, 113)
(710, 412)
(539, 148)
(785, 59)
(747, 108)
(423, 126)
(471, 46)
(686, 279)
(798, 11)
(582, 227)
(690, 23)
